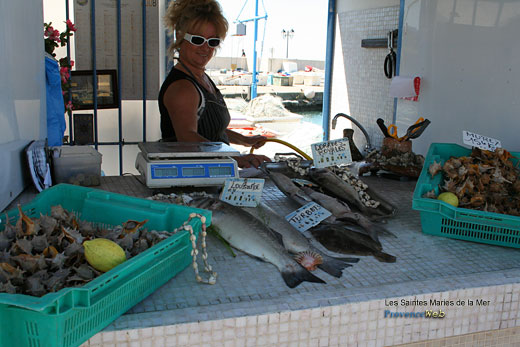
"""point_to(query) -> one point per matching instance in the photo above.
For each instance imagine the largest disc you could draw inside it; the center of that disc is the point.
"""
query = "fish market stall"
(465, 287)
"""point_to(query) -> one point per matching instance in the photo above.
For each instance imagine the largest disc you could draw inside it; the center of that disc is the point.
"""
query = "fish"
(291, 190)
(339, 209)
(342, 240)
(251, 236)
(296, 243)
(342, 212)
(333, 235)
(337, 187)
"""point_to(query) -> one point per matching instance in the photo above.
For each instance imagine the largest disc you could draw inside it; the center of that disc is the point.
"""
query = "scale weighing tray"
(170, 164)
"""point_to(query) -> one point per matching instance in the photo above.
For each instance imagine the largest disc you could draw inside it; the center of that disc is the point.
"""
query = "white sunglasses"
(199, 40)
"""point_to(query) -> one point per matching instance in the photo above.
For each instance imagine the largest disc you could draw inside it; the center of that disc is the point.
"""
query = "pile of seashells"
(484, 180)
(43, 255)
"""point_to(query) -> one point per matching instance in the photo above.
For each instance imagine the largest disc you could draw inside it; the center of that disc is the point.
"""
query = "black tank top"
(213, 116)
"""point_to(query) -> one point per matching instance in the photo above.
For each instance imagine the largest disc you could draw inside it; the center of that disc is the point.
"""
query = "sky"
(308, 19)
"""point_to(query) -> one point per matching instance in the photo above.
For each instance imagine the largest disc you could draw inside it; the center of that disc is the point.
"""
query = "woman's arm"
(256, 141)
(182, 101)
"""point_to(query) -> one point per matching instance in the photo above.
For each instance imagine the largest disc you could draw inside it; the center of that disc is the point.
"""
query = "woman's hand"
(255, 141)
(251, 160)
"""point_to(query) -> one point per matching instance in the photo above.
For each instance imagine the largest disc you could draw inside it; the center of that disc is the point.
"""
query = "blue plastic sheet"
(55, 105)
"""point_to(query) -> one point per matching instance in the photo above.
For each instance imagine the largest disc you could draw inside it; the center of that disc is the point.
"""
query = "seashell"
(58, 261)
(139, 246)
(7, 288)
(4, 277)
(50, 252)
(25, 226)
(309, 260)
(4, 256)
(21, 246)
(73, 235)
(30, 263)
(477, 200)
(126, 242)
(59, 213)
(5, 243)
(39, 243)
(57, 280)
(9, 229)
(10, 270)
(85, 271)
(449, 185)
(132, 226)
(73, 248)
(430, 194)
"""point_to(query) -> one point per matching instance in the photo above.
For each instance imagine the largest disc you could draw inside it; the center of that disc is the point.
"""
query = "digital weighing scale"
(170, 164)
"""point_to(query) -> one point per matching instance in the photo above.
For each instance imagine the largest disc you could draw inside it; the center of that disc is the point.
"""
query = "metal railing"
(120, 143)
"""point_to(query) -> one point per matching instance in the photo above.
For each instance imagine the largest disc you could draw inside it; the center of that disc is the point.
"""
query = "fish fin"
(277, 235)
(293, 276)
(334, 267)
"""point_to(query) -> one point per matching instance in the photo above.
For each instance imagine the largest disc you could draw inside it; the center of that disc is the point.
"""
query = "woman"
(192, 108)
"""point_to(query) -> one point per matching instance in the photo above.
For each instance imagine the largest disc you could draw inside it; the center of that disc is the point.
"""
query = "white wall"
(22, 91)
(360, 88)
(467, 53)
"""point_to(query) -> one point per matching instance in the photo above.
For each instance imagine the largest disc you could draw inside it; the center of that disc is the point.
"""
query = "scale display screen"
(166, 172)
(204, 170)
(193, 171)
(220, 171)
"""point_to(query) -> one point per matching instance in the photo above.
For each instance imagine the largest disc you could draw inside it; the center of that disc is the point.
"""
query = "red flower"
(70, 26)
(64, 73)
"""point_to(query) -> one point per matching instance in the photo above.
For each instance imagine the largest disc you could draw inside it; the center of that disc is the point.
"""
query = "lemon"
(449, 198)
(103, 254)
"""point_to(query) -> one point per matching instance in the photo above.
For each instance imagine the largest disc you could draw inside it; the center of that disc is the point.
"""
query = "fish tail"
(334, 267)
(384, 257)
(293, 276)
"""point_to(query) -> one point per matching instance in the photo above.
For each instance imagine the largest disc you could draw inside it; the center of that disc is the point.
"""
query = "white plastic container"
(79, 165)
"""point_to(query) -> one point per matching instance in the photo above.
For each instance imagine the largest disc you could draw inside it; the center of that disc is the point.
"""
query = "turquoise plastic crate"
(71, 316)
(442, 219)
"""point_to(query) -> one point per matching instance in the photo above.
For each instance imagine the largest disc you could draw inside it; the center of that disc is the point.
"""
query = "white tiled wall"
(361, 324)
(367, 87)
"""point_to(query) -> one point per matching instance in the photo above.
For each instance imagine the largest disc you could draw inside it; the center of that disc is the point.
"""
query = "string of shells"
(293, 162)
(360, 186)
(45, 254)
(484, 180)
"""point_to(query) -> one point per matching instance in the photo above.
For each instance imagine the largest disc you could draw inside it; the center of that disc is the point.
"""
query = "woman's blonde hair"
(183, 16)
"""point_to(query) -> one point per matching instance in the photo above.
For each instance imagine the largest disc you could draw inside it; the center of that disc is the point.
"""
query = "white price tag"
(482, 142)
(330, 153)
(243, 191)
(307, 216)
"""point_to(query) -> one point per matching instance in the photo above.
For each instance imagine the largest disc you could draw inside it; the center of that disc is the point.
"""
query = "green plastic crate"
(442, 219)
(71, 316)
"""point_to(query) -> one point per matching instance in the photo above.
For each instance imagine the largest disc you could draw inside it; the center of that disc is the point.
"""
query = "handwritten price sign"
(243, 191)
(482, 142)
(307, 216)
(330, 153)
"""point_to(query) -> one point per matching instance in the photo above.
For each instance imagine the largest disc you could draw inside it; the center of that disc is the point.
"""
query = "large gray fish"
(341, 240)
(251, 236)
(341, 211)
(338, 209)
(337, 187)
(296, 243)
